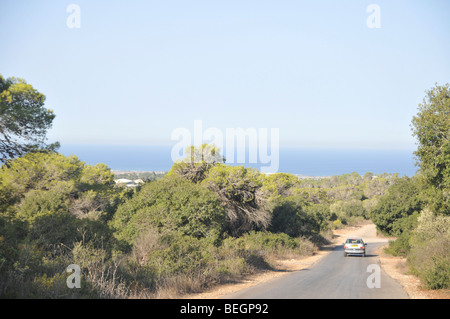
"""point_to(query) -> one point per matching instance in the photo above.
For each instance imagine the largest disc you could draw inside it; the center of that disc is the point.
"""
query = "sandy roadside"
(393, 266)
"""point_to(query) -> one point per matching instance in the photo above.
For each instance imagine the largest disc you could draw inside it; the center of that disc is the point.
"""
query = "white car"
(355, 246)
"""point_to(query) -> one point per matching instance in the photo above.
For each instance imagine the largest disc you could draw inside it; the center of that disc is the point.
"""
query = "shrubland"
(206, 222)
(200, 225)
(50, 205)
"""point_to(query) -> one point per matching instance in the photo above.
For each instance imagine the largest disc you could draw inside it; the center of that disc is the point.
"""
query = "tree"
(23, 119)
(197, 162)
(52, 206)
(431, 127)
(396, 212)
(289, 216)
(53, 188)
(171, 204)
(279, 185)
(238, 188)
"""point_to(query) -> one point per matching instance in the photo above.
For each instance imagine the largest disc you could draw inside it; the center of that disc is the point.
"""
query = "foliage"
(429, 255)
(290, 217)
(417, 211)
(277, 244)
(401, 245)
(52, 202)
(24, 120)
(175, 234)
(171, 204)
(278, 185)
(348, 208)
(237, 187)
(401, 203)
(431, 127)
(197, 162)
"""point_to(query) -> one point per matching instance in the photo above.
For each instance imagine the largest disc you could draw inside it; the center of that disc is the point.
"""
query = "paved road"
(333, 276)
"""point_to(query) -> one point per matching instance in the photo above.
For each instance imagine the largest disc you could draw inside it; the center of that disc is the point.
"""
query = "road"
(333, 276)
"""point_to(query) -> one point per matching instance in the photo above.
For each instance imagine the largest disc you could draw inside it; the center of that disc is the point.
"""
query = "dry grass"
(397, 268)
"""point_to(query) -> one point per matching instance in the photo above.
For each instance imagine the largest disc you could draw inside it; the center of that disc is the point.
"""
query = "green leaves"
(400, 202)
(237, 187)
(197, 162)
(431, 127)
(23, 119)
(170, 204)
(414, 209)
(52, 193)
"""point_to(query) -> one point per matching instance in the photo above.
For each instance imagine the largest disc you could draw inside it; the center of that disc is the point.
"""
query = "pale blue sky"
(136, 70)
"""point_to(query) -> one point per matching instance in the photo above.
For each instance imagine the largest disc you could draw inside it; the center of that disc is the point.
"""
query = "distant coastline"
(307, 163)
(139, 174)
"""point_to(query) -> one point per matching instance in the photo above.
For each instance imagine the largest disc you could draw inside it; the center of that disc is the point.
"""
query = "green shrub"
(279, 244)
(170, 204)
(53, 202)
(239, 187)
(290, 217)
(182, 264)
(178, 263)
(401, 201)
(180, 254)
(438, 275)
(400, 246)
(339, 223)
(429, 256)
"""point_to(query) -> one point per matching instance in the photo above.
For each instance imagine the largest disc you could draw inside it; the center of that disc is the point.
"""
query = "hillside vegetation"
(206, 222)
(177, 234)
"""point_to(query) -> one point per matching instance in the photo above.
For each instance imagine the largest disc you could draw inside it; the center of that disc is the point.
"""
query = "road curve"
(332, 277)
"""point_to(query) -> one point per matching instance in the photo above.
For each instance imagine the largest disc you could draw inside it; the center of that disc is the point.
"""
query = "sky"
(135, 71)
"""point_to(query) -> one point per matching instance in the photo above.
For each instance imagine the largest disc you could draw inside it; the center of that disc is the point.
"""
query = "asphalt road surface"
(333, 276)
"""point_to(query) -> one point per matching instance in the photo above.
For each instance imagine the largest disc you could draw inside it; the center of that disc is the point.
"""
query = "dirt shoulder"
(395, 267)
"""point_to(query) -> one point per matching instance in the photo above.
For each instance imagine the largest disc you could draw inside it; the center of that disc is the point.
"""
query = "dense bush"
(431, 127)
(278, 245)
(202, 224)
(351, 208)
(52, 203)
(429, 255)
(171, 204)
(396, 211)
(237, 187)
(175, 264)
(401, 246)
(289, 217)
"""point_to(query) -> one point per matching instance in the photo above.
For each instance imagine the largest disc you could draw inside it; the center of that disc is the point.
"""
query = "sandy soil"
(393, 266)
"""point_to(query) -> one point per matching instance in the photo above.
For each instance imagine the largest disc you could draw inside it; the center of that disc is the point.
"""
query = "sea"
(299, 161)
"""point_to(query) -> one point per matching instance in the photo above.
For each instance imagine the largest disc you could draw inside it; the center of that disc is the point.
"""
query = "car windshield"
(354, 241)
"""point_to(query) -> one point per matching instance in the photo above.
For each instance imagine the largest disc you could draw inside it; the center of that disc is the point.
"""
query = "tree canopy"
(431, 127)
(24, 120)
(198, 160)
(171, 204)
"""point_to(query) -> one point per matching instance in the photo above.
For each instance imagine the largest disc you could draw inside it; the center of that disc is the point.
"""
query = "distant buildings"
(129, 182)
(311, 177)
